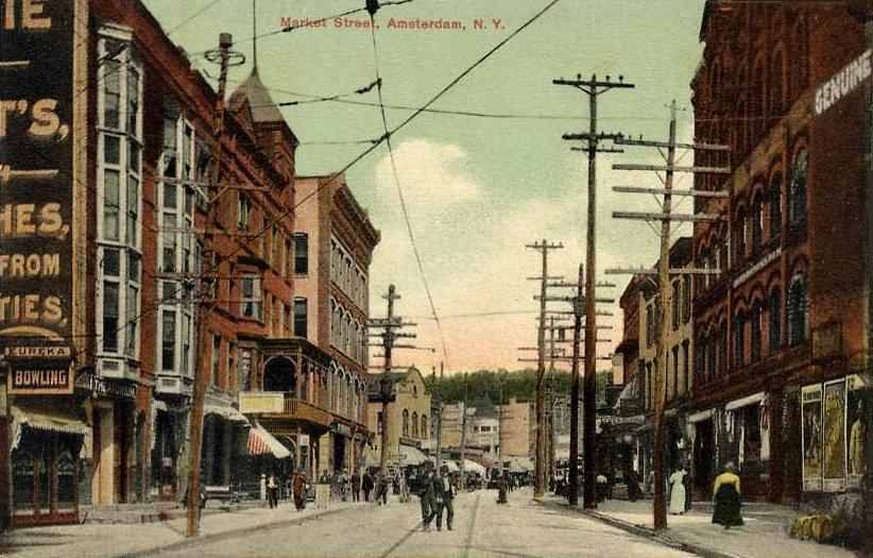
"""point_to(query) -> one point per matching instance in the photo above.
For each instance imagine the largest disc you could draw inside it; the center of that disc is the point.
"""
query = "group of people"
(298, 489)
(437, 494)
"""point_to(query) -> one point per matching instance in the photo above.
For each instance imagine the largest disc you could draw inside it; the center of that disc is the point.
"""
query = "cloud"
(432, 175)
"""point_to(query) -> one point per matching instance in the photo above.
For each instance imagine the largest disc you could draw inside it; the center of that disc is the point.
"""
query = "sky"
(477, 189)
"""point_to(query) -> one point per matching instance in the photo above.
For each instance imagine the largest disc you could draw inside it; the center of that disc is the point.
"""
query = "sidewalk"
(90, 540)
(764, 534)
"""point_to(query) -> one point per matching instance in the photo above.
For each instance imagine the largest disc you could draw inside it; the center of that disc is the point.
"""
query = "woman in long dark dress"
(726, 494)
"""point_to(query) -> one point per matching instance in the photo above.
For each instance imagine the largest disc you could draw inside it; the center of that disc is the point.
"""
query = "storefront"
(169, 430)
(46, 445)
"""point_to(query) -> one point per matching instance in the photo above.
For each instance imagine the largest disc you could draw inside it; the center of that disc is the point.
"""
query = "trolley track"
(468, 537)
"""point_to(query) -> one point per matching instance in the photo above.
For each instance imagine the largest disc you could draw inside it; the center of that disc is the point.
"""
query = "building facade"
(408, 419)
(780, 331)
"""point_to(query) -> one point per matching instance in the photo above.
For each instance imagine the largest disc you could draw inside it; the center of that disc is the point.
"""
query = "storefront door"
(45, 470)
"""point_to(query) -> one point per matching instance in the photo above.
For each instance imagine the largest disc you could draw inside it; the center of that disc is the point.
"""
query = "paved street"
(482, 529)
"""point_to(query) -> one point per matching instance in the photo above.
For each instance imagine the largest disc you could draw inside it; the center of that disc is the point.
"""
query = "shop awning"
(473, 467)
(226, 412)
(49, 421)
(261, 442)
(452, 466)
(745, 401)
(410, 455)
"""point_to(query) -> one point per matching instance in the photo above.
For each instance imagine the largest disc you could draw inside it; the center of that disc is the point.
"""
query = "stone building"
(408, 419)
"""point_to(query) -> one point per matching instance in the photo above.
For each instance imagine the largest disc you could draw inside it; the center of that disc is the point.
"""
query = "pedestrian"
(356, 487)
(382, 489)
(602, 486)
(501, 490)
(367, 485)
(726, 497)
(272, 491)
(634, 492)
(677, 491)
(427, 497)
(445, 500)
(298, 488)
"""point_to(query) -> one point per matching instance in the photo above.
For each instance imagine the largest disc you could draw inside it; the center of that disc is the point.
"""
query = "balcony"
(283, 406)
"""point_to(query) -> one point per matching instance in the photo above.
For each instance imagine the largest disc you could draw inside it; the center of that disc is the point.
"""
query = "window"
(300, 317)
(740, 225)
(797, 190)
(414, 424)
(686, 302)
(243, 211)
(775, 205)
(424, 428)
(215, 361)
(301, 253)
(757, 225)
(675, 305)
(405, 422)
(739, 340)
(119, 145)
(675, 364)
(686, 378)
(168, 340)
(250, 297)
(798, 307)
(649, 325)
(774, 314)
(757, 315)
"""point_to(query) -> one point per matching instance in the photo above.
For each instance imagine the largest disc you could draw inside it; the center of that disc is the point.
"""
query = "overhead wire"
(415, 250)
(192, 17)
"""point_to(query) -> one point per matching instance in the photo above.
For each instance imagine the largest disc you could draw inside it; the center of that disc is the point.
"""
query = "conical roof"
(261, 104)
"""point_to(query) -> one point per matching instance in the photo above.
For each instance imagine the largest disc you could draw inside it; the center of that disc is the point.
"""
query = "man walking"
(445, 494)
(427, 495)
(356, 486)
(367, 485)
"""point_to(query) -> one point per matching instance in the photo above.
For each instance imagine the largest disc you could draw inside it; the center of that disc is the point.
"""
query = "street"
(482, 528)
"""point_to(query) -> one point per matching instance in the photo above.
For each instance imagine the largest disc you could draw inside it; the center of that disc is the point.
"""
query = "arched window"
(740, 225)
(757, 222)
(800, 62)
(405, 422)
(739, 339)
(798, 310)
(425, 431)
(757, 315)
(797, 189)
(415, 424)
(774, 317)
(722, 347)
(686, 302)
(775, 201)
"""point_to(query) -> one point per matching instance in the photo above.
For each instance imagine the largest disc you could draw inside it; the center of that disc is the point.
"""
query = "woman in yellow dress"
(726, 496)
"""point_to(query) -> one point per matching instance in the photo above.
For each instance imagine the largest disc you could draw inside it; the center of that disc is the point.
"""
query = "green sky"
(477, 188)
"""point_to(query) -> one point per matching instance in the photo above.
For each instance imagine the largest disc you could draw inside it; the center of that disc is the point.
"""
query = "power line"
(192, 17)
(401, 197)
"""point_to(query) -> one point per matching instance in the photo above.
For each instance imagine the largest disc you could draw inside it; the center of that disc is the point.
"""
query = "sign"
(844, 82)
(834, 436)
(101, 386)
(40, 378)
(261, 402)
(811, 425)
(36, 170)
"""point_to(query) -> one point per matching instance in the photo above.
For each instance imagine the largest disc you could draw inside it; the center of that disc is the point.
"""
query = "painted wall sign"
(40, 378)
(842, 83)
(36, 184)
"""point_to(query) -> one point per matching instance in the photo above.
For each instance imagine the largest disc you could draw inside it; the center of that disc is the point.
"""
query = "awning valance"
(226, 412)
(261, 442)
(46, 420)
(745, 401)
(411, 455)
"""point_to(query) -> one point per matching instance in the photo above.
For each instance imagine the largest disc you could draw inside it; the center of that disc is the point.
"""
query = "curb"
(230, 534)
(646, 532)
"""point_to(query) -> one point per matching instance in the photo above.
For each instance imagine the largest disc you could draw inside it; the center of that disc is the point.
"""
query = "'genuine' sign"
(36, 178)
(843, 83)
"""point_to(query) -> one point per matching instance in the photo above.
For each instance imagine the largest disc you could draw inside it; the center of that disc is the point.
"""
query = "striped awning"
(262, 442)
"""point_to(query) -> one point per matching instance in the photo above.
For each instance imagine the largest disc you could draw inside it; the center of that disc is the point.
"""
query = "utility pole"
(578, 311)
(225, 58)
(464, 436)
(666, 217)
(539, 470)
(439, 432)
(593, 88)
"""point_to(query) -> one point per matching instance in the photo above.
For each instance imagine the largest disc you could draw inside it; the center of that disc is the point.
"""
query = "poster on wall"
(811, 409)
(856, 432)
(834, 434)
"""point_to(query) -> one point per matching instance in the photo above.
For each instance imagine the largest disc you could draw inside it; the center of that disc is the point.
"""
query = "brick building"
(780, 332)
(110, 338)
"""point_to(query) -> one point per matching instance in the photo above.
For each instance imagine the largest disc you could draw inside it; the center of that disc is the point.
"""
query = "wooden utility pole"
(439, 430)
(464, 437)
(201, 372)
(664, 272)
(578, 311)
(593, 88)
(539, 470)
(388, 333)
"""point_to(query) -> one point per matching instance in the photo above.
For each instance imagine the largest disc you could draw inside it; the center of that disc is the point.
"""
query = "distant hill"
(501, 385)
